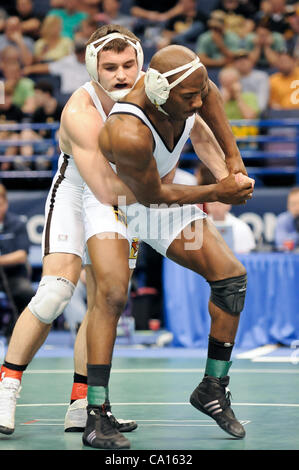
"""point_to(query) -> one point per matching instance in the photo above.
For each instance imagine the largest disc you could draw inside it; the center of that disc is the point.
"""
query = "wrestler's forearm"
(179, 194)
(214, 115)
(208, 150)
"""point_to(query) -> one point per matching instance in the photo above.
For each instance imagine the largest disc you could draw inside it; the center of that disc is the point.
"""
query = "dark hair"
(45, 86)
(117, 44)
(264, 23)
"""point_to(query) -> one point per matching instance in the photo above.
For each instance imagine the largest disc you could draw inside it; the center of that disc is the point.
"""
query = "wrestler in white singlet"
(73, 214)
(156, 227)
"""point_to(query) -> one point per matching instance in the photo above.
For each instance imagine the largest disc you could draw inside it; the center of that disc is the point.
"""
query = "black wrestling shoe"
(122, 425)
(212, 398)
(76, 417)
(100, 432)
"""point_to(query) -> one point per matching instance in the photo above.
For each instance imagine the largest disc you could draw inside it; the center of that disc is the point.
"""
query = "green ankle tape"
(217, 368)
(96, 395)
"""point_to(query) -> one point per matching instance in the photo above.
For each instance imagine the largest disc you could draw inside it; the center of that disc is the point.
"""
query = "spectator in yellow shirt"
(52, 46)
(284, 84)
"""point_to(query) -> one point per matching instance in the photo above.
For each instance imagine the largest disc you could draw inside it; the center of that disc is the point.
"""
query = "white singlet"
(158, 227)
(70, 206)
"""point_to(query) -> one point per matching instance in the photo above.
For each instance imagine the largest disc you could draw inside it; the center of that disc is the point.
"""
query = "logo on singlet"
(62, 237)
(119, 215)
(134, 248)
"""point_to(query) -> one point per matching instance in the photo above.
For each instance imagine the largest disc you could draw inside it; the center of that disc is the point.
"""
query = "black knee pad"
(229, 294)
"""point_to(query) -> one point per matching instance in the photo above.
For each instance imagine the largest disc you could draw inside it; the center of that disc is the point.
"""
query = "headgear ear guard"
(157, 87)
(91, 60)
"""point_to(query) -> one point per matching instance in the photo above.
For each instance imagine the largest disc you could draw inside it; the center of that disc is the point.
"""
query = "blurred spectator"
(9, 54)
(253, 80)
(237, 103)
(155, 11)
(246, 8)
(217, 47)
(13, 36)
(8, 7)
(239, 25)
(71, 16)
(237, 234)
(30, 21)
(264, 46)
(3, 17)
(110, 14)
(91, 7)
(9, 114)
(287, 224)
(22, 87)
(284, 87)
(151, 16)
(14, 247)
(292, 36)
(239, 15)
(44, 109)
(185, 28)
(274, 12)
(86, 29)
(71, 69)
(52, 46)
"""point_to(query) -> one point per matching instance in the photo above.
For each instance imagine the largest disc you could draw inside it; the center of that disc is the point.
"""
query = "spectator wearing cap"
(284, 89)
(71, 69)
(51, 46)
(217, 47)
(252, 80)
(264, 45)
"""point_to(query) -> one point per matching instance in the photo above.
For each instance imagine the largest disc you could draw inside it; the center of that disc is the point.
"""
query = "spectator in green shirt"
(264, 45)
(237, 104)
(71, 17)
(23, 87)
(217, 47)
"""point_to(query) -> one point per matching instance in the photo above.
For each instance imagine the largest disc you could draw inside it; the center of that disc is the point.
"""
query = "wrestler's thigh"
(213, 259)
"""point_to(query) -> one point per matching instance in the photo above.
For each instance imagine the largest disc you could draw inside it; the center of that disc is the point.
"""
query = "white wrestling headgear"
(91, 60)
(157, 87)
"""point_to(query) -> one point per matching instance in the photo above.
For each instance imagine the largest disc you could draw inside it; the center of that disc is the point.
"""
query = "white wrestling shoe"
(76, 417)
(9, 392)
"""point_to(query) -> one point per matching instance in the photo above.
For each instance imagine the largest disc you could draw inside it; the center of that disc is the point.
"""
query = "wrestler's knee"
(113, 295)
(51, 298)
(229, 293)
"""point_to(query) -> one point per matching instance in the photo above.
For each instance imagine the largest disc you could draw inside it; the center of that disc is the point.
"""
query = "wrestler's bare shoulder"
(79, 119)
(79, 104)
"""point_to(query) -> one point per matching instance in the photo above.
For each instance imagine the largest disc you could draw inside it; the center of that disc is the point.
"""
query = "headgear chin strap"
(91, 60)
(157, 87)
